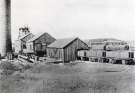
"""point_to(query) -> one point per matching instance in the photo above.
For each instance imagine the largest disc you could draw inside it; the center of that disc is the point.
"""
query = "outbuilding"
(37, 45)
(20, 44)
(65, 49)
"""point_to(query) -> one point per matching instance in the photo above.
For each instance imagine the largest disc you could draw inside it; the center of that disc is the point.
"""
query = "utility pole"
(5, 28)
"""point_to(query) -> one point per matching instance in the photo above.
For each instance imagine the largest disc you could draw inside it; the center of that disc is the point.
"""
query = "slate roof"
(61, 43)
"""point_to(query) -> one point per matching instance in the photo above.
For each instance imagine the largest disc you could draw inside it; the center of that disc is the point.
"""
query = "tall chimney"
(5, 27)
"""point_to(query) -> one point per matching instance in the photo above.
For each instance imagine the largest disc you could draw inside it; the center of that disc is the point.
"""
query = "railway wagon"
(124, 57)
(92, 55)
(115, 57)
(119, 54)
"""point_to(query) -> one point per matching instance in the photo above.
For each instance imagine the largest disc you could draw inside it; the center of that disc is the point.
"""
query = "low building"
(65, 49)
(20, 44)
(37, 45)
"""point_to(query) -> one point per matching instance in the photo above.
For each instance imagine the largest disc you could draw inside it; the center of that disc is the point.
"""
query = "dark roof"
(61, 43)
(37, 36)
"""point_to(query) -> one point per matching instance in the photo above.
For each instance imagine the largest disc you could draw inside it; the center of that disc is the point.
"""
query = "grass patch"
(70, 78)
(8, 68)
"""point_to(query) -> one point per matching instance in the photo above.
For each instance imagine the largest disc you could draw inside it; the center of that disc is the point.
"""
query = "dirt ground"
(71, 78)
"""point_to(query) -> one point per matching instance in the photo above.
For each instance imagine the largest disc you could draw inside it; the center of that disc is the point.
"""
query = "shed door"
(85, 54)
(131, 55)
(38, 47)
(104, 54)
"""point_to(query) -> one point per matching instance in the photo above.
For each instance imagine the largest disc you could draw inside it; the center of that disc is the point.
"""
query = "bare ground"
(71, 78)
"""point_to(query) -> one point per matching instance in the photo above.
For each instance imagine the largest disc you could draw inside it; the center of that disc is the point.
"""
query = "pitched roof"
(61, 43)
(36, 37)
(25, 36)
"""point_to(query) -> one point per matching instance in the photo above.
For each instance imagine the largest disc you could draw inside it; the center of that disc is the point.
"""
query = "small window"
(24, 46)
(85, 54)
(131, 55)
(126, 47)
(104, 54)
(30, 47)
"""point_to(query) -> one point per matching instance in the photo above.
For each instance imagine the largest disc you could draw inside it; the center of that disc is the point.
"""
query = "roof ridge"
(25, 36)
(61, 43)
(38, 36)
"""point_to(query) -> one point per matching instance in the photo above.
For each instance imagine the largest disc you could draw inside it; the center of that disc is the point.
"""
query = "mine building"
(65, 49)
(37, 45)
(20, 43)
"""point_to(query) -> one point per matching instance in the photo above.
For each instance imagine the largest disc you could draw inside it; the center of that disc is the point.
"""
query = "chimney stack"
(5, 27)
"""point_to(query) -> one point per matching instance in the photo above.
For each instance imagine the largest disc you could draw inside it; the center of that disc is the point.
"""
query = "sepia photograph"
(67, 46)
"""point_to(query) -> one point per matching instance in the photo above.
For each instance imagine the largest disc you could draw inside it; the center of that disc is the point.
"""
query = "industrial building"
(37, 45)
(20, 43)
(65, 49)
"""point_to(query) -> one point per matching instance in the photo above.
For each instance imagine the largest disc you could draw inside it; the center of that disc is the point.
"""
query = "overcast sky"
(76, 18)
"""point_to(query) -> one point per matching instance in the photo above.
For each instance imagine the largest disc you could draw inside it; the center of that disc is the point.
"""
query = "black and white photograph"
(67, 46)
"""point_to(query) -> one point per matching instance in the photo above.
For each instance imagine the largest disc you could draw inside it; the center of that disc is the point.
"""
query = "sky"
(86, 19)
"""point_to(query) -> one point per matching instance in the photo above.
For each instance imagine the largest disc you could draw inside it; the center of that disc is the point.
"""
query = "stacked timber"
(25, 58)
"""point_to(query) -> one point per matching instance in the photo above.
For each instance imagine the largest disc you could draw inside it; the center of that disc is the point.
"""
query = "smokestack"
(5, 27)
